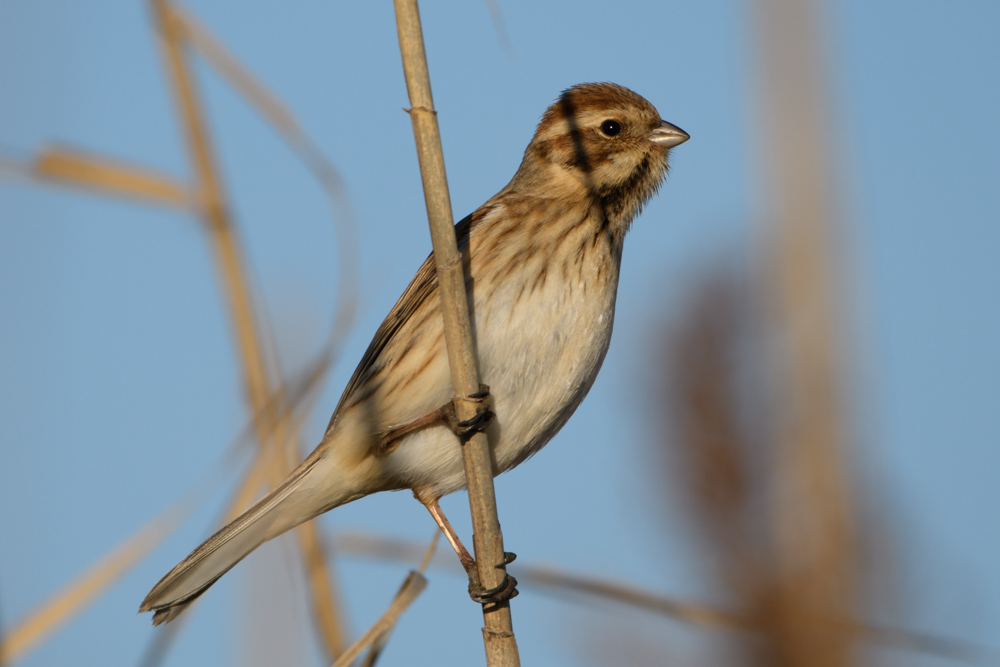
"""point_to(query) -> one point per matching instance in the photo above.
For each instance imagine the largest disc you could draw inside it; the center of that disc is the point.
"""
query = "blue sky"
(120, 388)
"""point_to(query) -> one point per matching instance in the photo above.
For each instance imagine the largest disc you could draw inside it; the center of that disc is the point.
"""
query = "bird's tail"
(299, 498)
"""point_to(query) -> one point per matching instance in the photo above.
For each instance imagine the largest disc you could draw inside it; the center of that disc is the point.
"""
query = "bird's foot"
(484, 416)
(501, 593)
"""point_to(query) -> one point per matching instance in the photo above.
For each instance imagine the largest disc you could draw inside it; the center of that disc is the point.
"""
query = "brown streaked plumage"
(541, 258)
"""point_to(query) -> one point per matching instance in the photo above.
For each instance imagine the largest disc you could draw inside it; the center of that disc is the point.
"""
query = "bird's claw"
(467, 428)
(506, 590)
(483, 393)
(498, 595)
(479, 422)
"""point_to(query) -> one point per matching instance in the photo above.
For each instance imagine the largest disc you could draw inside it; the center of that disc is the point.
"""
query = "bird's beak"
(668, 135)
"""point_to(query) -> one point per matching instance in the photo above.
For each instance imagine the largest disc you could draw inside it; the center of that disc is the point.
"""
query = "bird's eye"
(611, 128)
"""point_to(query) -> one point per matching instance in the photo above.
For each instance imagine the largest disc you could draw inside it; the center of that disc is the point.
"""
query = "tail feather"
(280, 510)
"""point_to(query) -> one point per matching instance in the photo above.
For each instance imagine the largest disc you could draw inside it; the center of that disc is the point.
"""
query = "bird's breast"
(542, 336)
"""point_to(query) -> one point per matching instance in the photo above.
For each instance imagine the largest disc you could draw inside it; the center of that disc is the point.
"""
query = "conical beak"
(668, 135)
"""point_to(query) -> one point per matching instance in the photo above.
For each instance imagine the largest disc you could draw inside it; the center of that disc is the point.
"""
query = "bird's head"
(604, 141)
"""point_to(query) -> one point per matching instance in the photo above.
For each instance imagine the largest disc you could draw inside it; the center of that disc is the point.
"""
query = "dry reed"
(498, 633)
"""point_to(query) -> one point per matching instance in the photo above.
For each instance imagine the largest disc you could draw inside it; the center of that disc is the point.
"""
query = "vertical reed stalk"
(498, 633)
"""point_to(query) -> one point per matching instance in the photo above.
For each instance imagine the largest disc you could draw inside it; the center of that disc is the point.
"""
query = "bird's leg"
(507, 588)
(468, 562)
(446, 414)
(440, 415)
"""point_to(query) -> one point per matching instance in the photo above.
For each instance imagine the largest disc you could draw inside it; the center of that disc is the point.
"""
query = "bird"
(541, 260)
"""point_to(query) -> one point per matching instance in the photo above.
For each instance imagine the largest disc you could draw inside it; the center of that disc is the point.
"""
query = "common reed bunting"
(542, 259)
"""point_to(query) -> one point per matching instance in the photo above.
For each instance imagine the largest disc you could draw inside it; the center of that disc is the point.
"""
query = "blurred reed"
(275, 406)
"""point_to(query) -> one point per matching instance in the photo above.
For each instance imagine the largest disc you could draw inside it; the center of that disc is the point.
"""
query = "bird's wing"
(424, 284)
